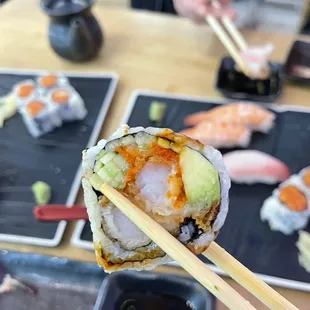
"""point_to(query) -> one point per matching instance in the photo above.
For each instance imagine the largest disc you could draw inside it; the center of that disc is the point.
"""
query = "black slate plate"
(59, 283)
(54, 158)
(243, 88)
(299, 55)
(244, 235)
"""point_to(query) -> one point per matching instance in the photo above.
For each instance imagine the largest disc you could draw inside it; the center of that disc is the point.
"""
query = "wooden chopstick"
(231, 28)
(177, 251)
(227, 42)
(196, 267)
(234, 32)
(246, 278)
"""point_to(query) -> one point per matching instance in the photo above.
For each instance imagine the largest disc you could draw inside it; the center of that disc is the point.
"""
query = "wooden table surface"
(149, 51)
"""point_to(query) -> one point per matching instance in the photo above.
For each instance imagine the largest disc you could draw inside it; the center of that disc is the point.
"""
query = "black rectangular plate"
(244, 235)
(59, 283)
(54, 158)
(244, 88)
(299, 54)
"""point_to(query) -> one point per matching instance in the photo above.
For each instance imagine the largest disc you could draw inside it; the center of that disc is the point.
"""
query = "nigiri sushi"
(287, 210)
(69, 104)
(303, 245)
(219, 134)
(251, 166)
(179, 182)
(251, 115)
(256, 59)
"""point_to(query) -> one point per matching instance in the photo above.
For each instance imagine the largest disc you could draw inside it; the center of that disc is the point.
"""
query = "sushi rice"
(179, 182)
(292, 215)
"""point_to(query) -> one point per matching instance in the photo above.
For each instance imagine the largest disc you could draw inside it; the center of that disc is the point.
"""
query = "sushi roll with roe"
(179, 182)
(24, 92)
(69, 104)
(287, 210)
(49, 81)
(39, 117)
(304, 174)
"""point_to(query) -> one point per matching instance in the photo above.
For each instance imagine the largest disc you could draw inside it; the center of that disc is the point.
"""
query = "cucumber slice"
(104, 175)
(120, 161)
(96, 181)
(100, 154)
(112, 169)
(127, 140)
(98, 166)
(107, 157)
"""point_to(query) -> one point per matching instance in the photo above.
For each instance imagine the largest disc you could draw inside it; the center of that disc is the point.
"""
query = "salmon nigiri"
(248, 114)
(251, 166)
(220, 134)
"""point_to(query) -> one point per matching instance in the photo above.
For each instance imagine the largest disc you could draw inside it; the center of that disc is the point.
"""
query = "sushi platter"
(272, 254)
(43, 142)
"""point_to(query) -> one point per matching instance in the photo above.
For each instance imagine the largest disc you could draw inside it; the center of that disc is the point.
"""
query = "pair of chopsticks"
(226, 40)
(199, 270)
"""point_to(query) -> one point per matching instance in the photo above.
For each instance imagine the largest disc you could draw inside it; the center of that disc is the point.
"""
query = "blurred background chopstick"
(227, 42)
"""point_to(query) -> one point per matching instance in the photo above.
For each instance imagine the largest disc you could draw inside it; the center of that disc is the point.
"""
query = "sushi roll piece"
(39, 117)
(49, 81)
(24, 92)
(252, 166)
(287, 210)
(303, 245)
(220, 134)
(248, 114)
(304, 174)
(179, 182)
(69, 104)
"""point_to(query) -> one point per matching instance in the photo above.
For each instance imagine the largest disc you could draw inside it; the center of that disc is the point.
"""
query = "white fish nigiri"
(251, 166)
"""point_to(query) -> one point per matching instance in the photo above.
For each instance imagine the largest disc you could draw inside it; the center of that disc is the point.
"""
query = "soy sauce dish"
(152, 291)
(235, 85)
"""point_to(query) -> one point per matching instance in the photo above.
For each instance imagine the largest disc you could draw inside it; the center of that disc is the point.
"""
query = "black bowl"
(152, 291)
(235, 85)
(299, 55)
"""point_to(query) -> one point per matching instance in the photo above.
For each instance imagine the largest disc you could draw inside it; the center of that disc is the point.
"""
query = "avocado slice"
(200, 179)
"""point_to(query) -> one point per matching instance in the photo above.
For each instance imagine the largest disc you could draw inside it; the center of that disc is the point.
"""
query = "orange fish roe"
(157, 155)
(25, 90)
(35, 107)
(60, 96)
(48, 80)
(307, 177)
(293, 198)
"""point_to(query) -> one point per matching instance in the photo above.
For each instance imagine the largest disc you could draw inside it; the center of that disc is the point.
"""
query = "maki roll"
(304, 174)
(24, 91)
(287, 210)
(68, 102)
(39, 117)
(48, 81)
(179, 182)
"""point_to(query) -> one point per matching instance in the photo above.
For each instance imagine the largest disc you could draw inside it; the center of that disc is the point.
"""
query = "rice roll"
(49, 81)
(24, 92)
(68, 102)
(287, 210)
(178, 181)
(39, 117)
